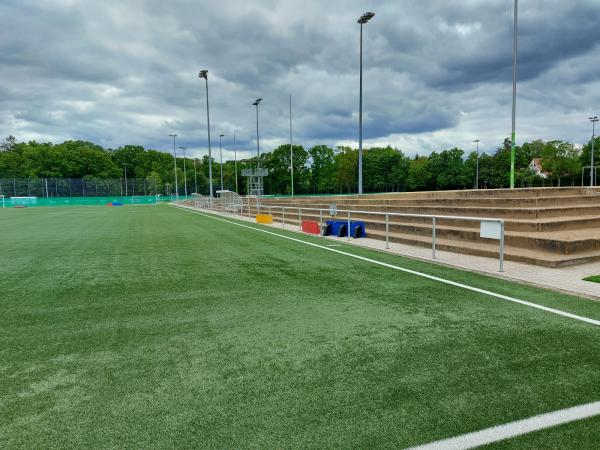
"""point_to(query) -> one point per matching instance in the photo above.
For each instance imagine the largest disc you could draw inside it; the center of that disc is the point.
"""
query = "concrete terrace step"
(549, 226)
(481, 211)
(534, 202)
(560, 242)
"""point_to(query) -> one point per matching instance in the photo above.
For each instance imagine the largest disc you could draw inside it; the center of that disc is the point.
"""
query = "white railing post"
(433, 238)
(283, 216)
(348, 225)
(502, 246)
(300, 219)
(387, 230)
(320, 222)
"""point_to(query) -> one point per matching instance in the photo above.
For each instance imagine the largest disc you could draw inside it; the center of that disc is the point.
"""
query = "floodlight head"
(203, 74)
(257, 101)
(221, 135)
(365, 17)
(476, 140)
(173, 135)
(594, 119)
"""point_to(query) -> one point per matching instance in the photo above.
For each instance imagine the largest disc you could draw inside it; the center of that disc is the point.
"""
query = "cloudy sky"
(437, 74)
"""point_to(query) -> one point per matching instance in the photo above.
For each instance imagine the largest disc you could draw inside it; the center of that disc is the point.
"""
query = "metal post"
(514, 99)
(387, 230)
(477, 166)
(256, 102)
(360, 149)
(433, 238)
(283, 215)
(235, 163)
(221, 156)
(320, 222)
(125, 165)
(184, 174)
(291, 148)
(348, 226)
(204, 74)
(299, 219)
(502, 246)
(592, 168)
(175, 165)
(195, 176)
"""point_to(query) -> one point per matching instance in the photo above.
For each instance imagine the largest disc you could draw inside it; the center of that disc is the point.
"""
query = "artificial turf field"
(153, 327)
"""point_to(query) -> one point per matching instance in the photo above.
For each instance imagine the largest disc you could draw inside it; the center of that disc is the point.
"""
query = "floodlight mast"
(476, 141)
(256, 102)
(184, 172)
(125, 166)
(593, 119)
(513, 142)
(361, 20)
(221, 153)
(291, 148)
(235, 162)
(204, 74)
(175, 165)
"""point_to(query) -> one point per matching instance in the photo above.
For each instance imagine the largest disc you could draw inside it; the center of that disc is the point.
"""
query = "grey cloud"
(126, 72)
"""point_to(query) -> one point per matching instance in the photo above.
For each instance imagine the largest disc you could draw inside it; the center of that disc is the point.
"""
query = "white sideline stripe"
(514, 429)
(402, 269)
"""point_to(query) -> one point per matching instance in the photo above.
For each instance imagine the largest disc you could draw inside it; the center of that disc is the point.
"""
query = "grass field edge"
(399, 268)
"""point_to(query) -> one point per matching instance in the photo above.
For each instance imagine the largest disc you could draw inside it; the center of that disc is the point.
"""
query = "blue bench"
(339, 228)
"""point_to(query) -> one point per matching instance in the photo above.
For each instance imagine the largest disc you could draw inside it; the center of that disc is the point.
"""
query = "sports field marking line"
(402, 269)
(514, 429)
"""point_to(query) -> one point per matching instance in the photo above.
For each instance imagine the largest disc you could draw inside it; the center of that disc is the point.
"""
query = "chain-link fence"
(79, 187)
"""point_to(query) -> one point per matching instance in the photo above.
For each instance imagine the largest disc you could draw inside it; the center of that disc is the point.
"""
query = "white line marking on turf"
(402, 269)
(514, 429)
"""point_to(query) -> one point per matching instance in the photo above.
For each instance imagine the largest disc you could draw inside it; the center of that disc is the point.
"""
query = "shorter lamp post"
(221, 155)
(477, 165)
(592, 170)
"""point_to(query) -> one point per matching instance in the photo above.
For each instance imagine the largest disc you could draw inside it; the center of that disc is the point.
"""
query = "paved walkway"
(565, 279)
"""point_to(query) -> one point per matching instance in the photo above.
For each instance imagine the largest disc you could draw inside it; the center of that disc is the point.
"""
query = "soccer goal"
(23, 201)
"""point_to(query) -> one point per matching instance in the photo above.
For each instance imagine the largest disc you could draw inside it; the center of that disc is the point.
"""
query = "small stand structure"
(255, 180)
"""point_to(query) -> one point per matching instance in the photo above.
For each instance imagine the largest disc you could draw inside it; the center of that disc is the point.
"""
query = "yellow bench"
(264, 218)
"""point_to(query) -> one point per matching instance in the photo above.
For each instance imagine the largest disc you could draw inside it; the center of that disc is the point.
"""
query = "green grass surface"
(594, 279)
(151, 327)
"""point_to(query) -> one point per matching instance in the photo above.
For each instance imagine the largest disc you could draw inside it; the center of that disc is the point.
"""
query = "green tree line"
(319, 170)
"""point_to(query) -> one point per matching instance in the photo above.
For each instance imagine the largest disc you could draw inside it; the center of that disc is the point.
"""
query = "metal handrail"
(434, 218)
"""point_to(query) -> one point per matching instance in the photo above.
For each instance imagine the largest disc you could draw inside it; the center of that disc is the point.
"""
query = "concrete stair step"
(560, 242)
(528, 202)
(541, 258)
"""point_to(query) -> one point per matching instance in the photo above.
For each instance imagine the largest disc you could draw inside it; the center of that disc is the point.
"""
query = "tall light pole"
(204, 74)
(235, 162)
(477, 165)
(361, 20)
(184, 172)
(592, 169)
(256, 102)
(125, 165)
(221, 152)
(514, 100)
(175, 162)
(291, 148)
(195, 176)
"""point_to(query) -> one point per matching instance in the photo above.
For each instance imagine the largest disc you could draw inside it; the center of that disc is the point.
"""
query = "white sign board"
(490, 229)
(333, 209)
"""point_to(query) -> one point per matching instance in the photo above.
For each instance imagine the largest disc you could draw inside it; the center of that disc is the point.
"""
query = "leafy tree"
(346, 169)
(560, 159)
(420, 177)
(322, 173)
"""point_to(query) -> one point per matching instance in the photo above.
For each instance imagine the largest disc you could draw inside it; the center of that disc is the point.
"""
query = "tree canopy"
(319, 169)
